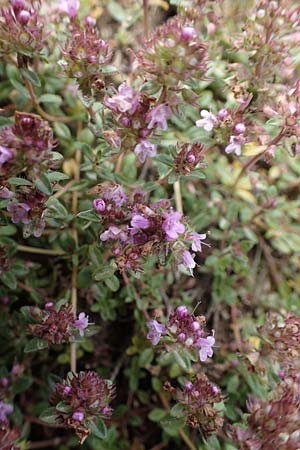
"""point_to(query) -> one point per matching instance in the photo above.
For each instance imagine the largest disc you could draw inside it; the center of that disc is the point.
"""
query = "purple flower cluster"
(86, 396)
(85, 54)
(137, 117)
(57, 326)
(188, 158)
(185, 330)
(26, 148)
(228, 126)
(273, 423)
(198, 399)
(21, 29)
(137, 228)
(172, 54)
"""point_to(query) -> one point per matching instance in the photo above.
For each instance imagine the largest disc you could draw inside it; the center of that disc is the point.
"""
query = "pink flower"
(82, 323)
(208, 122)
(158, 117)
(188, 261)
(113, 233)
(5, 154)
(140, 222)
(19, 212)
(70, 7)
(172, 225)
(156, 329)
(125, 101)
(144, 149)
(206, 350)
(196, 239)
(4, 410)
(235, 144)
(5, 193)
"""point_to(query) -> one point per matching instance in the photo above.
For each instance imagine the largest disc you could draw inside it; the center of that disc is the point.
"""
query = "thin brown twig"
(40, 110)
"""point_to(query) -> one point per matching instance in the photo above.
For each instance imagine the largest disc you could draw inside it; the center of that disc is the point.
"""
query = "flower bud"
(17, 5)
(78, 416)
(99, 205)
(23, 17)
(190, 157)
(188, 33)
(90, 21)
(223, 113)
(239, 128)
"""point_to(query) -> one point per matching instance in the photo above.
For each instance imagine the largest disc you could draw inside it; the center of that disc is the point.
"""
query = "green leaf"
(183, 361)
(98, 428)
(19, 181)
(57, 176)
(50, 416)
(7, 230)
(178, 411)
(104, 273)
(89, 215)
(112, 283)
(63, 407)
(22, 384)
(85, 278)
(109, 69)
(34, 345)
(62, 131)
(157, 414)
(44, 185)
(56, 156)
(146, 357)
(31, 76)
(165, 159)
(116, 11)
(9, 279)
(50, 98)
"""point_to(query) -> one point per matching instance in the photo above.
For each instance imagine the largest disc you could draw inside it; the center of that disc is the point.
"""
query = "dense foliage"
(149, 237)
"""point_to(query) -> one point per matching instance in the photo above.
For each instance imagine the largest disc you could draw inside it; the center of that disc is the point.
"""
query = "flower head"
(155, 331)
(208, 122)
(5, 154)
(197, 239)
(158, 116)
(172, 225)
(19, 212)
(188, 261)
(140, 222)
(144, 149)
(5, 409)
(235, 144)
(125, 101)
(82, 323)
(70, 7)
(205, 345)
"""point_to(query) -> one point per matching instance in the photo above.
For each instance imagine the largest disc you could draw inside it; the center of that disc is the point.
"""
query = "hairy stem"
(146, 18)
(178, 198)
(75, 263)
(40, 251)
